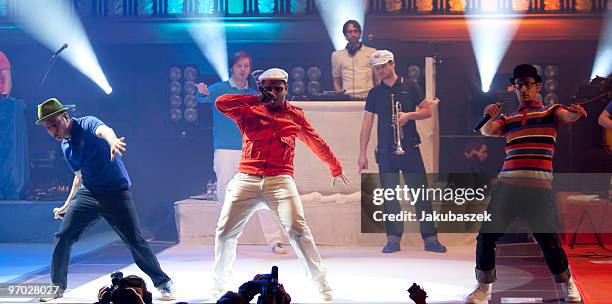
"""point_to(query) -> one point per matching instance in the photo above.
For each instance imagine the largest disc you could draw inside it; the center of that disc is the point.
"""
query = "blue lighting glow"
(209, 34)
(175, 6)
(266, 6)
(205, 7)
(3, 7)
(336, 13)
(602, 66)
(490, 36)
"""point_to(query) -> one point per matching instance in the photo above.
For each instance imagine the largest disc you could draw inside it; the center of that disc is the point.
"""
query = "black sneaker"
(391, 247)
(434, 246)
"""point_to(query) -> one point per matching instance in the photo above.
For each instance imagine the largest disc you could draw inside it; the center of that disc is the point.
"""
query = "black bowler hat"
(525, 70)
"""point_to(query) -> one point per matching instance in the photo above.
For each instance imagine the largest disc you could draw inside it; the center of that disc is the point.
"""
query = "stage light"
(298, 73)
(175, 87)
(538, 69)
(190, 73)
(209, 35)
(298, 87)
(189, 101)
(602, 66)
(314, 73)
(551, 71)
(414, 72)
(174, 73)
(336, 13)
(490, 36)
(191, 115)
(54, 23)
(551, 98)
(176, 115)
(488, 6)
(189, 87)
(175, 101)
(313, 87)
(551, 85)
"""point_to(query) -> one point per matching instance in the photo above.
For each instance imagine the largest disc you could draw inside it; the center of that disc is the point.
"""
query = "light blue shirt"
(226, 134)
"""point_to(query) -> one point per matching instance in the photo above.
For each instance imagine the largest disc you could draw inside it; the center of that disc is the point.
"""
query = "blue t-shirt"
(609, 108)
(86, 152)
(226, 134)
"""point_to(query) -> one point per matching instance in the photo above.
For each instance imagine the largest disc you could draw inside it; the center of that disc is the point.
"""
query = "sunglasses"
(527, 85)
(276, 89)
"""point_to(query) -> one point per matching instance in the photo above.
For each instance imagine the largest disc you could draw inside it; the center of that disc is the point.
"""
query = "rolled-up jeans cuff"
(486, 276)
(562, 277)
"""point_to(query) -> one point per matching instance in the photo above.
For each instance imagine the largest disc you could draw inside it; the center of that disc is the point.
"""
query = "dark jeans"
(117, 207)
(537, 207)
(411, 166)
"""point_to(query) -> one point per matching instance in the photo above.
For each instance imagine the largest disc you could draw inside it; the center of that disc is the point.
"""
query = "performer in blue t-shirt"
(227, 141)
(101, 188)
(605, 118)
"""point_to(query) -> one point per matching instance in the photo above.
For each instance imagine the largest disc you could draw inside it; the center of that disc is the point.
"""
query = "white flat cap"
(274, 74)
(381, 57)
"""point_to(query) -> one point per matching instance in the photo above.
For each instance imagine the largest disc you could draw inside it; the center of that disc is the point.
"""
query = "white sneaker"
(216, 293)
(325, 291)
(481, 294)
(58, 294)
(166, 291)
(279, 249)
(570, 291)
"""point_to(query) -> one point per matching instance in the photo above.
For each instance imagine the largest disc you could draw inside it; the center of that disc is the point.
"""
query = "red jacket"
(268, 137)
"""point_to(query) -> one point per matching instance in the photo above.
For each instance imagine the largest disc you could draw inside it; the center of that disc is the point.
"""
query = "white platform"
(332, 223)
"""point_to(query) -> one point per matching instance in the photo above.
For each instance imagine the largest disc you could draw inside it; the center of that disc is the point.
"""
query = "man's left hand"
(404, 118)
(576, 108)
(343, 178)
(118, 147)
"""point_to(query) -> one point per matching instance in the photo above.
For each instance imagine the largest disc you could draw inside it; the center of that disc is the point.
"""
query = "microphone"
(60, 50)
(483, 121)
(268, 97)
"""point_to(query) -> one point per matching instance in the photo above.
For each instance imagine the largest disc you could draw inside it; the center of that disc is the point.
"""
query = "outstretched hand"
(576, 108)
(343, 178)
(118, 147)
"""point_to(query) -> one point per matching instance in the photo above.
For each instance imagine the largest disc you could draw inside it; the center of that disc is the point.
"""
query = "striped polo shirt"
(531, 134)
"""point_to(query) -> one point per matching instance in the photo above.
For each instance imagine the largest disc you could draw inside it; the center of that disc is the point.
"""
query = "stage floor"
(357, 274)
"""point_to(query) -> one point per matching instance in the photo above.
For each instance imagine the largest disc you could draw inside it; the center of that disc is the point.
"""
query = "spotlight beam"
(336, 13)
(63, 27)
(210, 37)
(490, 36)
(602, 66)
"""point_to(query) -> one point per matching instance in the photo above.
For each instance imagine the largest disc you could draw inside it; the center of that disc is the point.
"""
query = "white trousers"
(280, 194)
(225, 164)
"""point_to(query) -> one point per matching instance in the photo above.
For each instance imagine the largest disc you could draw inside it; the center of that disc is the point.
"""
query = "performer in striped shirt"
(525, 182)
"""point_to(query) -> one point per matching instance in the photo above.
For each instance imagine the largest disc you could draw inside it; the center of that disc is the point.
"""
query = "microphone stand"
(49, 67)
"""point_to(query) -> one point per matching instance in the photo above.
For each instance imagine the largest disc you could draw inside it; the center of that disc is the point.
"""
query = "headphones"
(353, 48)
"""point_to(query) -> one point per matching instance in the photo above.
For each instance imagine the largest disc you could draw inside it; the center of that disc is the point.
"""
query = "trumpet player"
(398, 102)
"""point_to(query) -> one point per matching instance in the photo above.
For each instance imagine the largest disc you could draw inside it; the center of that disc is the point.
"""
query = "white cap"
(381, 57)
(274, 74)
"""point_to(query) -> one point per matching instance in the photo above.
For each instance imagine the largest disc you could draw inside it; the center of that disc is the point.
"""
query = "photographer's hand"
(249, 290)
(282, 297)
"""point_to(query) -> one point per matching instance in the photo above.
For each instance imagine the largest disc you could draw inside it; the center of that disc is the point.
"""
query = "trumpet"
(396, 108)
